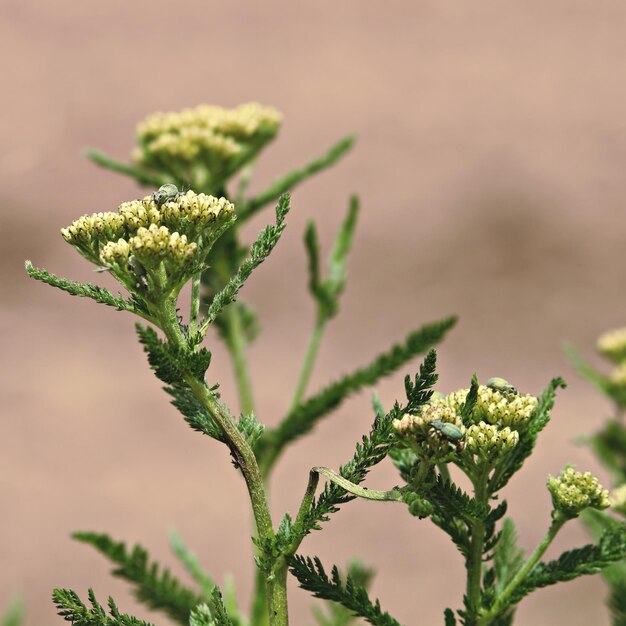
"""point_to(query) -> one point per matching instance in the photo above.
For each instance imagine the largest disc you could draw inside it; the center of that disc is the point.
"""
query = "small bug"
(501, 385)
(165, 193)
(450, 432)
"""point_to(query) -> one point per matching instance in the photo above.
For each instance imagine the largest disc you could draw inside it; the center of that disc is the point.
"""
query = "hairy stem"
(195, 303)
(474, 563)
(309, 360)
(500, 604)
(276, 582)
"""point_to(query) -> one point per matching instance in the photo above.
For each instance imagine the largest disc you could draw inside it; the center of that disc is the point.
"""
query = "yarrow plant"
(186, 232)
(609, 445)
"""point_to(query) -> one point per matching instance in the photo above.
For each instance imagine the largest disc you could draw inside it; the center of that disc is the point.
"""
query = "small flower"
(155, 244)
(88, 232)
(618, 376)
(572, 492)
(501, 408)
(489, 441)
(195, 214)
(617, 498)
(425, 433)
(612, 345)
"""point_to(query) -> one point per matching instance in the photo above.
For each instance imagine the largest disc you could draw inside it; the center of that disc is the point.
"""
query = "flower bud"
(612, 345)
(617, 498)
(432, 433)
(572, 492)
(489, 441)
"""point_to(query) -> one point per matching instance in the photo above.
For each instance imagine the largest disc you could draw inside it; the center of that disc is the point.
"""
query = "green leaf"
(211, 614)
(157, 588)
(142, 176)
(448, 615)
(589, 559)
(304, 418)
(72, 609)
(194, 412)
(353, 596)
(288, 182)
(335, 614)
(259, 251)
(326, 292)
(507, 555)
(14, 614)
(587, 371)
(86, 290)
(170, 363)
(609, 446)
(372, 449)
(191, 563)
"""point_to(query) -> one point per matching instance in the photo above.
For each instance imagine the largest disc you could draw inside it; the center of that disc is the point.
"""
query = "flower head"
(489, 441)
(617, 498)
(432, 432)
(612, 345)
(217, 140)
(572, 492)
(501, 408)
(168, 230)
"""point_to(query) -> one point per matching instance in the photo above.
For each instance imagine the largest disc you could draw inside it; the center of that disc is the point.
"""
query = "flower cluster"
(495, 407)
(213, 138)
(432, 432)
(488, 441)
(612, 345)
(618, 499)
(618, 376)
(171, 236)
(572, 492)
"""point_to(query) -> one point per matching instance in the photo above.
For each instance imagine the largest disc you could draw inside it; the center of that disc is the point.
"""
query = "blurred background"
(490, 163)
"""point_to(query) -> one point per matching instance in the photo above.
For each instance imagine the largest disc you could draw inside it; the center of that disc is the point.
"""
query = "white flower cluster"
(142, 235)
(431, 432)
(572, 492)
(212, 136)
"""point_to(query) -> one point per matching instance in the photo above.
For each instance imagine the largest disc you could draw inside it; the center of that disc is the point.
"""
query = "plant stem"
(195, 303)
(309, 360)
(236, 343)
(474, 563)
(276, 582)
(558, 520)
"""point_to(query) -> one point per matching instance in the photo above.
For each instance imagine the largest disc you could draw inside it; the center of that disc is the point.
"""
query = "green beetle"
(501, 385)
(165, 193)
(450, 432)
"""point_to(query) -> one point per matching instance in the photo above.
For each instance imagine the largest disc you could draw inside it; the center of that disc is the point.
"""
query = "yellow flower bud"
(572, 492)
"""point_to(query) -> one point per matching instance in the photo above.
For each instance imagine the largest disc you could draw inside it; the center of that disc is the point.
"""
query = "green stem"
(276, 582)
(236, 343)
(558, 520)
(309, 361)
(195, 303)
(474, 561)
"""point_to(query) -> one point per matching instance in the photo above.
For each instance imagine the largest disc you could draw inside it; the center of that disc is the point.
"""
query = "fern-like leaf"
(590, 559)
(72, 609)
(354, 597)
(154, 586)
(304, 418)
(86, 290)
(259, 251)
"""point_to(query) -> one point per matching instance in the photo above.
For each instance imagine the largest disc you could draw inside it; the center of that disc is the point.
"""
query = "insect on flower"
(449, 432)
(165, 193)
(502, 385)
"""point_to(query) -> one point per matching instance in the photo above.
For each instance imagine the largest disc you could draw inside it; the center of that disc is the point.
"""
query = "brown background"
(490, 163)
